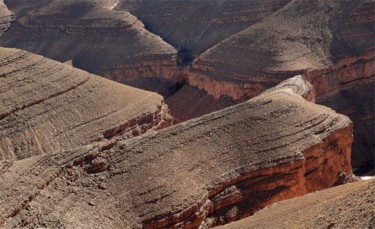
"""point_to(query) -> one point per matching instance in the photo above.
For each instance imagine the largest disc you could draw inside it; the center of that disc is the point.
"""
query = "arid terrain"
(187, 114)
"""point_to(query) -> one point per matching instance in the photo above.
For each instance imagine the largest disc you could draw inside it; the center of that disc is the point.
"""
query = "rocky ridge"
(46, 106)
(329, 42)
(232, 163)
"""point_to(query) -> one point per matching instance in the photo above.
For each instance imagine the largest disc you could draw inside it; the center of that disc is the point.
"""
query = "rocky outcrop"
(46, 106)
(204, 172)
(195, 26)
(346, 206)
(329, 42)
(91, 36)
(281, 46)
(6, 17)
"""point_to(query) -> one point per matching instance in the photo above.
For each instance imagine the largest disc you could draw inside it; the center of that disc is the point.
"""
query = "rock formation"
(251, 47)
(46, 106)
(204, 172)
(194, 26)
(330, 42)
(5, 17)
(117, 46)
(303, 35)
(91, 36)
(347, 206)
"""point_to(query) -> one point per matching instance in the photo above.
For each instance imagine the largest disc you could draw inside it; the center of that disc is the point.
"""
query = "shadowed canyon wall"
(6, 17)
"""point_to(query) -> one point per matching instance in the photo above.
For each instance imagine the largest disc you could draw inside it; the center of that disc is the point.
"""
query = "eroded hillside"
(79, 151)
(204, 172)
(330, 42)
(91, 36)
(195, 26)
(46, 106)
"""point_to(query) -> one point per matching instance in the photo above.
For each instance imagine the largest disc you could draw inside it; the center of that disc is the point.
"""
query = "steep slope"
(46, 106)
(5, 17)
(206, 171)
(347, 206)
(194, 26)
(330, 42)
(100, 36)
(302, 35)
(91, 36)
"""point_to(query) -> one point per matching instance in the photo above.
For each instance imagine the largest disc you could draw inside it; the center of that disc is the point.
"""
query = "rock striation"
(46, 106)
(329, 42)
(346, 206)
(6, 17)
(195, 26)
(303, 35)
(91, 36)
(204, 172)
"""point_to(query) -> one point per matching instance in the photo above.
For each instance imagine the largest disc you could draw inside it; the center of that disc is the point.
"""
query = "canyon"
(230, 162)
(333, 50)
(187, 114)
(161, 48)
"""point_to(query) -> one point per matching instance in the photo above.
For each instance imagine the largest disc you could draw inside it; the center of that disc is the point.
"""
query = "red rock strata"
(204, 172)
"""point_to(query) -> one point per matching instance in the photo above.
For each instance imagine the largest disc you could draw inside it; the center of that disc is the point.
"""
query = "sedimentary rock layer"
(195, 26)
(347, 206)
(91, 36)
(330, 42)
(302, 35)
(204, 172)
(46, 106)
(5, 17)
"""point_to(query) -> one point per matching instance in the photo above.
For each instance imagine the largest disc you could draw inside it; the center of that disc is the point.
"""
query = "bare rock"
(347, 206)
(90, 35)
(46, 106)
(204, 172)
(196, 26)
(328, 42)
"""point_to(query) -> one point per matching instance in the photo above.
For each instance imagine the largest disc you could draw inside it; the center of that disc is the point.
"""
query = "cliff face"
(204, 172)
(329, 42)
(46, 106)
(348, 87)
(6, 17)
(91, 36)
